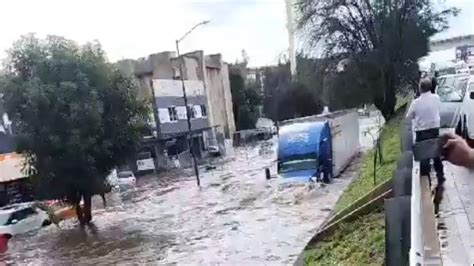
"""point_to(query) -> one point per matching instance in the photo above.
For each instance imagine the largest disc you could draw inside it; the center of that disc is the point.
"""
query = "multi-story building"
(14, 185)
(208, 95)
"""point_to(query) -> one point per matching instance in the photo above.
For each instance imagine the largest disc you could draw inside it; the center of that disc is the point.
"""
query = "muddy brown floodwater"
(236, 217)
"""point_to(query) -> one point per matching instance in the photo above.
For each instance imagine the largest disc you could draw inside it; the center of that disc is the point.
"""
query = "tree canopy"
(382, 39)
(246, 98)
(76, 116)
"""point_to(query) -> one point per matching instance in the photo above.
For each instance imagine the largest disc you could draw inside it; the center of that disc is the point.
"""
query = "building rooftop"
(11, 165)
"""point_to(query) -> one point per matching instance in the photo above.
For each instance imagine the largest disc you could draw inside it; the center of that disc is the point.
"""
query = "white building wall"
(174, 88)
(228, 100)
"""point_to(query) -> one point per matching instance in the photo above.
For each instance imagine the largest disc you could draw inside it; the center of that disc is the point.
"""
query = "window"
(297, 165)
(203, 110)
(191, 111)
(197, 111)
(20, 215)
(176, 73)
(163, 115)
(125, 174)
(454, 93)
(172, 113)
(181, 112)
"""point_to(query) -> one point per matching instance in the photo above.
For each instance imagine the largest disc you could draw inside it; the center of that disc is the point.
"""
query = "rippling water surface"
(236, 217)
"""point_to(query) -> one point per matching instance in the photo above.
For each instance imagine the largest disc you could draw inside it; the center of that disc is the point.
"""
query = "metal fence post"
(397, 231)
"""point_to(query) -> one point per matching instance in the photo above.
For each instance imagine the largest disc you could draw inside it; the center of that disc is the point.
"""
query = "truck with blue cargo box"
(317, 147)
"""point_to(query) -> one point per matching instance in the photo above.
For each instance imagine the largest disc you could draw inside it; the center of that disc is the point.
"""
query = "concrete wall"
(228, 100)
(219, 95)
(155, 66)
(174, 88)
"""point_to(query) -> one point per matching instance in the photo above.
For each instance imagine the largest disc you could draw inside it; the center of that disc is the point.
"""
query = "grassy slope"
(358, 243)
(361, 242)
(390, 149)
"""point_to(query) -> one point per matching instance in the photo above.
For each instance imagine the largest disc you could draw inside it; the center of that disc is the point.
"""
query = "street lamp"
(188, 115)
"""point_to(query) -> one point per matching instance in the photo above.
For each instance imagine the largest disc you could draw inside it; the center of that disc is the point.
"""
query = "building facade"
(159, 77)
(14, 185)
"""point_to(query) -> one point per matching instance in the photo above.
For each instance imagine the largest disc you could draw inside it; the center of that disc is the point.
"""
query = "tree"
(383, 40)
(303, 100)
(276, 85)
(286, 98)
(77, 117)
(245, 98)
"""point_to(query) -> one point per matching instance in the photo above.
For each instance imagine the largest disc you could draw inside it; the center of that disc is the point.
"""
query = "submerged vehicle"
(318, 147)
(145, 162)
(21, 218)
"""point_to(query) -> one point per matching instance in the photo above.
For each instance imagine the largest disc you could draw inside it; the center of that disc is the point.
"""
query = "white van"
(467, 111)
(145, 162)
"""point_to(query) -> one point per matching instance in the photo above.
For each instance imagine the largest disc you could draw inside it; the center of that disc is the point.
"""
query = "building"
(209, 99)
(14, 186)
(449, 55)
(219, 95)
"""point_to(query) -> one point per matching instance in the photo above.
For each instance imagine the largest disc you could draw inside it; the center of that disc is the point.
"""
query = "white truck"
(318, 146)
(467, 112)
(145, 162)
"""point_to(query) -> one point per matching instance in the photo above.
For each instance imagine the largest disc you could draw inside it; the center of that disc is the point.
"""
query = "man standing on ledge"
(425, 112)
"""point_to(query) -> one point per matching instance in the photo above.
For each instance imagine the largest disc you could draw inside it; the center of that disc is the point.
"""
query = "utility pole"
(290, 26)
(188, 110)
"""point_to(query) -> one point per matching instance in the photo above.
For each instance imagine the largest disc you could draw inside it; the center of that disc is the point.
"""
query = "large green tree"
(245, 98)
(76, 116)
(382, 39)
(287, 97)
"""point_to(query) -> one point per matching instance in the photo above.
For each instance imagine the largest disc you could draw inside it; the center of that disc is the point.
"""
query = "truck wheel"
(327, 177)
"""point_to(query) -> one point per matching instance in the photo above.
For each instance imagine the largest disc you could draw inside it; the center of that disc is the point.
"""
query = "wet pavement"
(369, 128)
(236, 217)
(456, 217)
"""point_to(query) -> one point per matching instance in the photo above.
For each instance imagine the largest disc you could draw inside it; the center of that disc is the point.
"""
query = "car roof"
(15, 207)
(126, 172)
(455, 75)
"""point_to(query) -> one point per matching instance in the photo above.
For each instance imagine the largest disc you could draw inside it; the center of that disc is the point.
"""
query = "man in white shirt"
(425, 112)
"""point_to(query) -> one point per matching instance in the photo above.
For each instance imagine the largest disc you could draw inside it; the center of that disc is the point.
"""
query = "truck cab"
(305, 152)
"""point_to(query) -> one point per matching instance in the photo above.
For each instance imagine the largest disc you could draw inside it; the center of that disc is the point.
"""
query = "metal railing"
(402, 211)
(410, 224)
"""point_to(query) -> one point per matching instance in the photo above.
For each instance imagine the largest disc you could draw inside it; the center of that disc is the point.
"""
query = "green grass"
(390, 139)
(360, 242)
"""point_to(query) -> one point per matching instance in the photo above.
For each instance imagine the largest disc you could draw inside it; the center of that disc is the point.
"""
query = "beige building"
(209, 69)
(219, 95)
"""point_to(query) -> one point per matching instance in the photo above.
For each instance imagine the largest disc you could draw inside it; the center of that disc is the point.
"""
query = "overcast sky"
(132, 29)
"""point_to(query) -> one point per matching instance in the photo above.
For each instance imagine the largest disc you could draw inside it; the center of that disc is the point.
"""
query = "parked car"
(451, 90)
(145, 162)
(21, 218)
(126, 178)
(467, 112)
(214, 151)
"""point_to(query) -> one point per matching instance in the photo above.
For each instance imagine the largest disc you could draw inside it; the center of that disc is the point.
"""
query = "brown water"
(236, 217)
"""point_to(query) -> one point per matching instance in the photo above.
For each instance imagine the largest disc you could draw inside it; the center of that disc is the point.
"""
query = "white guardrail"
(416, 218)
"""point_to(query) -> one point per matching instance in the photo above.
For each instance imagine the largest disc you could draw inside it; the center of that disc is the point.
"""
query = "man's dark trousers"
(425, 167)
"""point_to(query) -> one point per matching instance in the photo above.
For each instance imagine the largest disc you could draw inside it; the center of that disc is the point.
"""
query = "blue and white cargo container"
(318, 147)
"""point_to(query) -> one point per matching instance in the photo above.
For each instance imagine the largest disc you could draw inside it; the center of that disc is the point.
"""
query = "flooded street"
(236, 217)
